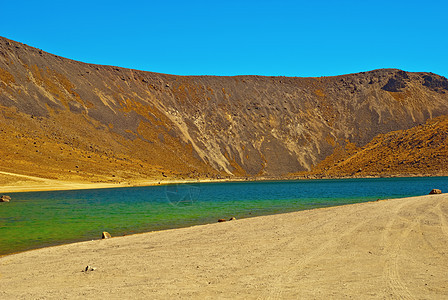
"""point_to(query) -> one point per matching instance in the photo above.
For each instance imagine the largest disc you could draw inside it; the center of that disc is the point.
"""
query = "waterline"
(39, 219)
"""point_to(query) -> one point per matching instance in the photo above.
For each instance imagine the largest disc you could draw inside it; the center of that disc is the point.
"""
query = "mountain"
(70, 120)
(421, 150)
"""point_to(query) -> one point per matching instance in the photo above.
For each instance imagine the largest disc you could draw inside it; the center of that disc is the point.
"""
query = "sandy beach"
(15, 183)
(393, 249)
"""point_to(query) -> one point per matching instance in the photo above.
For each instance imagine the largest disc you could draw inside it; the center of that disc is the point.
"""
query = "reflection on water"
(39, 219)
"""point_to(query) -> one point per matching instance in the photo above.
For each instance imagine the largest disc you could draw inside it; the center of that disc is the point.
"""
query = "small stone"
(221, 220)
(106, 235)
(435, 191)
(5, 198)
(232, 219)
(89, 269)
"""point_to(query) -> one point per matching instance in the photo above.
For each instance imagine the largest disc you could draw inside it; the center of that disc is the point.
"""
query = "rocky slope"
(66, 119)
(421, 150)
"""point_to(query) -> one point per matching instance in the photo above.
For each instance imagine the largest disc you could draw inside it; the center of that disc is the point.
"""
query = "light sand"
(14, 182)
(386, 249)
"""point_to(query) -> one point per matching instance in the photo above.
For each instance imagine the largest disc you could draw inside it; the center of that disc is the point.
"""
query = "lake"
(38, 219)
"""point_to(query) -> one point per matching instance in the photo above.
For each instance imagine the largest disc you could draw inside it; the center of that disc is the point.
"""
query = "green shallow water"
(33, 220)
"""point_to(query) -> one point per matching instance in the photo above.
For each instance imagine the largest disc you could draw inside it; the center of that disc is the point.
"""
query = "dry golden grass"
(421, 150)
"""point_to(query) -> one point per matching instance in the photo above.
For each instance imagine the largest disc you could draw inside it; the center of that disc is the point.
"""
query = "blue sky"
(273, 38)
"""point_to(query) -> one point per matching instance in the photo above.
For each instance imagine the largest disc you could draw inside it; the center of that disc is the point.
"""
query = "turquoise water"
(39, 219)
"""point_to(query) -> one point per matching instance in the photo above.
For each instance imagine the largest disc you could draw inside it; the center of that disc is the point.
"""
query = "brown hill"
(66, 119)
(421, 150)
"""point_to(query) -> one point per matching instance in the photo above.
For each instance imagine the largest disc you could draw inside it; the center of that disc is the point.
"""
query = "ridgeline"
(68, 120)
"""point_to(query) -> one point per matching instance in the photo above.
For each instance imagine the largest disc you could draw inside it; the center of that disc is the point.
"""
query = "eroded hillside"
(421, 150)
(66, 119)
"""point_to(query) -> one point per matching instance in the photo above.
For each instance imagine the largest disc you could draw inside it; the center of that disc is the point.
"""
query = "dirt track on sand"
(385, 249)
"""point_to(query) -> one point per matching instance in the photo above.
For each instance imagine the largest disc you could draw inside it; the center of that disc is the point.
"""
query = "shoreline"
(191, 226)
(380, 249)
(40, 184)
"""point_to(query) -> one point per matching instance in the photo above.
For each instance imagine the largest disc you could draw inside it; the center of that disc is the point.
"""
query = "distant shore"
(382, 249)
(26, 183)
(36, 184)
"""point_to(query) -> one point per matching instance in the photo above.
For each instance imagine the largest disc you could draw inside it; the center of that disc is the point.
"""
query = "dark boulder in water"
(435, 191)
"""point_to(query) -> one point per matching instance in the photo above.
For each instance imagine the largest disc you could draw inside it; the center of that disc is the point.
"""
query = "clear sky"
(274, 38)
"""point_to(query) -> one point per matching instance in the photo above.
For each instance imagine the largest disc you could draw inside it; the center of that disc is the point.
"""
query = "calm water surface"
(33, 220)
